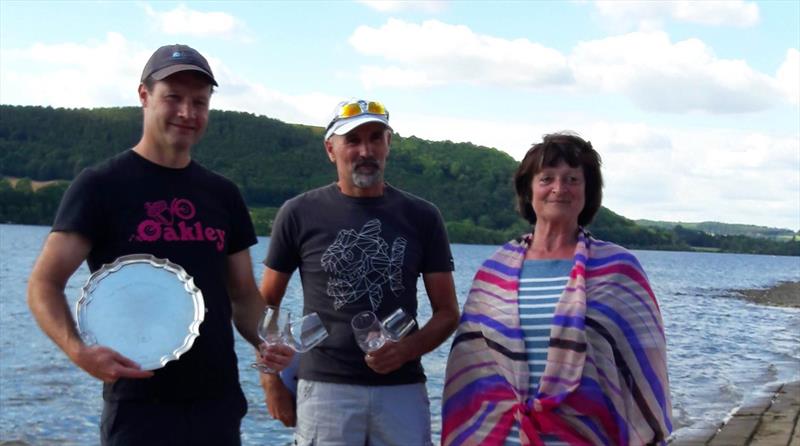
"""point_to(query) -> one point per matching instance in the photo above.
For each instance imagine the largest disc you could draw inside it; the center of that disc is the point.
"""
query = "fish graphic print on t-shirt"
(360, 264)
(171, 221)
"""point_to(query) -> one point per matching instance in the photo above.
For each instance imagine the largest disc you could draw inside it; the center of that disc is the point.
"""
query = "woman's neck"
(552, 241)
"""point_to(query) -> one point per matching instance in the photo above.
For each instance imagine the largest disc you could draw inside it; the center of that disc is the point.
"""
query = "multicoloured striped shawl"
(605, 381)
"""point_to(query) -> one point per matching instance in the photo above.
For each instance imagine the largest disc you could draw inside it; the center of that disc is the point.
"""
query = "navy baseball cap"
(170, 59)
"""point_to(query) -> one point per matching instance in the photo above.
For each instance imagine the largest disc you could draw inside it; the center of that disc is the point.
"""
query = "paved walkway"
(768, 421)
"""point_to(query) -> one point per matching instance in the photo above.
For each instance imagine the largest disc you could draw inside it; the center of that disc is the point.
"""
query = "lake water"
(722, 351)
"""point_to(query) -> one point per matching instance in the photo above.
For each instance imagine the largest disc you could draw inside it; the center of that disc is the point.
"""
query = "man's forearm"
(48, 304)
(61, 255)
(440, 326)
(245, 317)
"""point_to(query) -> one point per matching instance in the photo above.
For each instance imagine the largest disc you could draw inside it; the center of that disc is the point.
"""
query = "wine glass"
(306, 333)
(397, 324)
(272, 329)
(368, 331)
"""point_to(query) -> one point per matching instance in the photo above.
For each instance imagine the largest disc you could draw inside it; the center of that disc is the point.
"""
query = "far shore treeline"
(42, 149)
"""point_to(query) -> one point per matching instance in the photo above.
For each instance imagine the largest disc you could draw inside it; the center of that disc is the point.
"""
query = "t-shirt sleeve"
(438, 257)
(284, 252)
(80, 209)
(243, 235)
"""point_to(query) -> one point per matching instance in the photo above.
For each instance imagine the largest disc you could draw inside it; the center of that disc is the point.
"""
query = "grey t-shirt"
(357, 254)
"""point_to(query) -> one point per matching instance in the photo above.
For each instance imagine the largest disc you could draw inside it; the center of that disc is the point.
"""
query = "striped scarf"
(605, 381)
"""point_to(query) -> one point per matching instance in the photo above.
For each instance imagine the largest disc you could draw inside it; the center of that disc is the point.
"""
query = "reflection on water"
(721, 351)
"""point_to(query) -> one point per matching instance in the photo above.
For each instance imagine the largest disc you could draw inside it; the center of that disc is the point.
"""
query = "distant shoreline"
(784, 294)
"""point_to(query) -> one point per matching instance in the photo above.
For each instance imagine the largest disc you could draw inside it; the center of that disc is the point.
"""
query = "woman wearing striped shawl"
(561, 339)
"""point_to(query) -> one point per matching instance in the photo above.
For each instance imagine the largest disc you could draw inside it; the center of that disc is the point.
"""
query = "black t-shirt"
(357, 254)
(194, 218)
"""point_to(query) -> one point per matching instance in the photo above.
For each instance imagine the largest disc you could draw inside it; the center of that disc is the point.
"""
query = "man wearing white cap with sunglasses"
(360, 244)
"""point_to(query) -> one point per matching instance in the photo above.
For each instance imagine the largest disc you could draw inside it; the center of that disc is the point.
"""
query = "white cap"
(341, 126)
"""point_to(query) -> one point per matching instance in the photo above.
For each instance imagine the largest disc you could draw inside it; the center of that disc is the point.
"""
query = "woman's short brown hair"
(554, 148)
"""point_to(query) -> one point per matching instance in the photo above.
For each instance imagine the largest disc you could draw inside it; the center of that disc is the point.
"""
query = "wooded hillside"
(272, 161)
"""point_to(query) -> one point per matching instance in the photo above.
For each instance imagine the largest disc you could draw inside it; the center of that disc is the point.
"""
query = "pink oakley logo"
(167, 222)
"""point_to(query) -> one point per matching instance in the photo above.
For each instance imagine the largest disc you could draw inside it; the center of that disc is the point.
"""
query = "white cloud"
(718, 13)
(185, 21)
(635, 162)
(97, 74)
(246, 96)
(514, 138)
(714, 174)
(629, 138)
(645, 66)
(436, 52)
(430, 6)
(650, 14)
(106, 74)
(660, 173)
(659, 75)
(372, 77)
(788, 76)
(236, 93)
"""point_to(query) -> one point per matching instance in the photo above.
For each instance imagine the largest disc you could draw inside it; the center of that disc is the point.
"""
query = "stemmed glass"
(397, 324)
(371, 333)
(273, 330)
(368, 331)
(306, 333)
(277, 327)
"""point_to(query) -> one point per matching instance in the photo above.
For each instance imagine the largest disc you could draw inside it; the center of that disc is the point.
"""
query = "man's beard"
(367, 180)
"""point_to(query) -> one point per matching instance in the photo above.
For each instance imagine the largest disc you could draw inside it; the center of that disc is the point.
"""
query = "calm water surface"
(722, 351)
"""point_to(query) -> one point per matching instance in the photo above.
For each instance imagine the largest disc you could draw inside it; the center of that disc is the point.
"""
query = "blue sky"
(692, 105)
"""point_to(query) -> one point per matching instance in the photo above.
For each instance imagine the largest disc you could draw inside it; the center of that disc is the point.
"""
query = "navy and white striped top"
(541, 283)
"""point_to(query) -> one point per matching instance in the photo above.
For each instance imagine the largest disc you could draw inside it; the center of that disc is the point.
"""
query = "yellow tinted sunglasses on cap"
(368, 111)
(355, 108)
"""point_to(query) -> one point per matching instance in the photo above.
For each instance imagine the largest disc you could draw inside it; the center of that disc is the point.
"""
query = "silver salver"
(147, 309)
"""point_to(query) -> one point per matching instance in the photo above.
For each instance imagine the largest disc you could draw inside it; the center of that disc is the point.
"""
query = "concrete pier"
(768, 421)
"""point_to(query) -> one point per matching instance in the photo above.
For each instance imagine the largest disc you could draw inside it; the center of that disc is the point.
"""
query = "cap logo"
(170, 59)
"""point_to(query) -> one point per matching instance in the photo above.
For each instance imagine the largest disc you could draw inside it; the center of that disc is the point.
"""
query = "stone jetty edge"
(770, 420)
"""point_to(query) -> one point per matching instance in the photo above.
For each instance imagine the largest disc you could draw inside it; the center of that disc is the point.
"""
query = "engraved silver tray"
(147, 309)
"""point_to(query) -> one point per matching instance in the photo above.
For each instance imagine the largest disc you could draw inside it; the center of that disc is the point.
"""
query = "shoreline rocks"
(784, 294)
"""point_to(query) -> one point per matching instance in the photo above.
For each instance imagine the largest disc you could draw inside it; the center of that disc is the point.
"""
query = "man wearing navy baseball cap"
(360, 245)
(155, 199)
(170, 59)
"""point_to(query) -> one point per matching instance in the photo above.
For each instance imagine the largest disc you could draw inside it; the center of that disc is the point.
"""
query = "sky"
(694, 106)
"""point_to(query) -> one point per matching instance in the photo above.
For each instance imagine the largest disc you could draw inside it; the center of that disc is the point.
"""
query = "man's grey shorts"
(330, 414)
